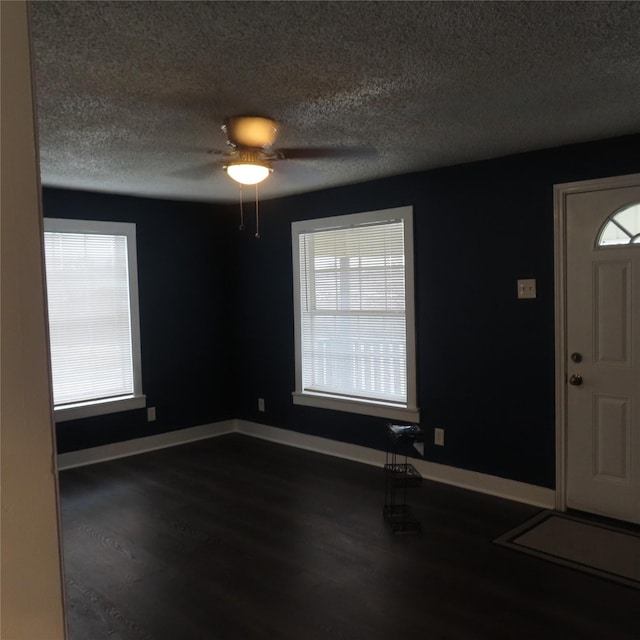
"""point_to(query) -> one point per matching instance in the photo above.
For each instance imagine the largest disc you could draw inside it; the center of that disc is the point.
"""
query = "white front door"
(603, 351)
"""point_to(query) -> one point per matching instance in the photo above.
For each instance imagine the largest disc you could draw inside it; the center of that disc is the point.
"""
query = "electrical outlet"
(438, 437)
(151, 414)
(261, 405)
(526, 288)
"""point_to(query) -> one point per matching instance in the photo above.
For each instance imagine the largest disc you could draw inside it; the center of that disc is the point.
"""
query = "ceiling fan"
(250, 139)
(249, 156)
(251, 152)
(250, 144)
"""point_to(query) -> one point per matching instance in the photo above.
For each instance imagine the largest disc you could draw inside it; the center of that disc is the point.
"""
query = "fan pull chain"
(257, 236)
(241, 211)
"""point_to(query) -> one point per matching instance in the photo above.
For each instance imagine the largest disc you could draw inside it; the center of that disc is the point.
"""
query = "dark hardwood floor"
(237, 538)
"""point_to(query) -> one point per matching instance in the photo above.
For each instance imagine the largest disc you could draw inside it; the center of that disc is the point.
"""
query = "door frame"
(560, 194)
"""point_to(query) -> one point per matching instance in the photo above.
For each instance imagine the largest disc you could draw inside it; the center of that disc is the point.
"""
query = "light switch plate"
(527, 288)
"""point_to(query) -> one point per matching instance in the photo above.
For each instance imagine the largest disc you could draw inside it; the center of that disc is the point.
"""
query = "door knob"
(575, 380)
(576, 357)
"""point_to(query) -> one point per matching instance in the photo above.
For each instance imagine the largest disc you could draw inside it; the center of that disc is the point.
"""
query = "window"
(623, 227)
(92, 292)
(354, 313)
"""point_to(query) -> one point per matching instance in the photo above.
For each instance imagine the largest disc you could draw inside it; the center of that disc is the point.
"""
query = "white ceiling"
(131, 95)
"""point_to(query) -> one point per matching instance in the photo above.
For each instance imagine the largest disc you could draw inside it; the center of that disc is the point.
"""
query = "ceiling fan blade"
(318, 153)
(197, 172)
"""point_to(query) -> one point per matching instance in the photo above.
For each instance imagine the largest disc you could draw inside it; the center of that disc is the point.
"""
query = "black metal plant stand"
(400, 476)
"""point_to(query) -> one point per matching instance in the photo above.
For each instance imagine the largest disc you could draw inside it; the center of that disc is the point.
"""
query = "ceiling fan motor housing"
(249, 156)
(250, 131)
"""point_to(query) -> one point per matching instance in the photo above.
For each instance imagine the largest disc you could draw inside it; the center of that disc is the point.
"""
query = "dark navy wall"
(185, 277)
(216, 308)
(485, 359)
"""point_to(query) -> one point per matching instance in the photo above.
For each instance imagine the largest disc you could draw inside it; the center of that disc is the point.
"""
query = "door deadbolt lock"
(576, 357)
(575, 380)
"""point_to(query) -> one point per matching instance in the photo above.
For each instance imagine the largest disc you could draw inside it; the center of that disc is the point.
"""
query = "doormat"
(594, 548)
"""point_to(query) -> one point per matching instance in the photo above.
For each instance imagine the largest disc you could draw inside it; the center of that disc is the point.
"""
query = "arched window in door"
(622, 227)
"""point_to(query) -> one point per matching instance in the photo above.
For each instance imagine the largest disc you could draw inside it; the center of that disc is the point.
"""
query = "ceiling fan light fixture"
(248, 172)
(247, 166)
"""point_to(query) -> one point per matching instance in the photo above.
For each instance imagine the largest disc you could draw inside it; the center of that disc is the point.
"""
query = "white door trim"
(560, 193)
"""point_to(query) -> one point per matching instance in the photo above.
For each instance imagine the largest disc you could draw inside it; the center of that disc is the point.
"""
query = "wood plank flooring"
(237, 538)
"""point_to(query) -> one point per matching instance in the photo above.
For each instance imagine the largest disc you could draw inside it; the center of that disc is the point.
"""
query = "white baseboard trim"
(491, 485)
(143, 445)
(317, 444)
(472, 480)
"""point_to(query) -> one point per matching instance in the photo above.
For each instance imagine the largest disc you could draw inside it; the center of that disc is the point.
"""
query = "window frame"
(408, 411)
(135, 400)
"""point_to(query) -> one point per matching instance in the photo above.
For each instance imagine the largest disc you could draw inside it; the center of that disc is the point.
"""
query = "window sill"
(102, 407)
(376, 409)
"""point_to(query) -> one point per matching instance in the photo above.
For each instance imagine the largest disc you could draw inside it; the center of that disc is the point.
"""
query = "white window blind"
(353, 323)
(93, 334)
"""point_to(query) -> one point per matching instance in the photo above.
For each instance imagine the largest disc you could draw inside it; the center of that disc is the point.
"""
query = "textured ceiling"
(131, 95)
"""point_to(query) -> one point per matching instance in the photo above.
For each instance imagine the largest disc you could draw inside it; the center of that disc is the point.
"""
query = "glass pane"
(353, 324)
(89, 316)
(622, 228)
